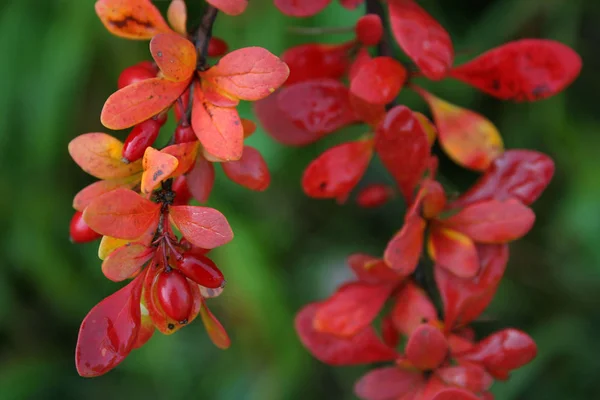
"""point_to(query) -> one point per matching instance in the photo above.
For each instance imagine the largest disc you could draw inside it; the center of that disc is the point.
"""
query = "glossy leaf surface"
(109, 331)
(402, 253)
(126, 261)
(523, 70)
(378, 80)
(319, 106)
(315, 61)
(453, 251)
(402, 145)
(250, 171)
(389, 383)
(421, 37)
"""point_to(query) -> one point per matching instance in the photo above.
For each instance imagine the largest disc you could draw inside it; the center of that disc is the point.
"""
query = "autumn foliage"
(409, 306)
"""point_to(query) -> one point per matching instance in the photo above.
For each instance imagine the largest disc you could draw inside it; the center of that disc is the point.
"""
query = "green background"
(57, 67)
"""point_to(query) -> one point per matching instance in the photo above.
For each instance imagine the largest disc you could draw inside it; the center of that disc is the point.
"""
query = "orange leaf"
(427, 126)
(186, 155)
(335, 172)
(351, 308)
(121, 213)
(174, 55)
(202, 226)
(201, 179)
(453, 251)
(108, 244)
(158, 167)
(177, 16)
(215, 330)
(493, 221)
(229, 7)
(140, 101)
(470, 139)
(219, 129)
(86, 195)
(99, 155)
(251, 73)
(126, 261)
(131, 19)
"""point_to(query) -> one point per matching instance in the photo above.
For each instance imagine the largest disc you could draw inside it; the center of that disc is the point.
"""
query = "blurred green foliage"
(59, 65)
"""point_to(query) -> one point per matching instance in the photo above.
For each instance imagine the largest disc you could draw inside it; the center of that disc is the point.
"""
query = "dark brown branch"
(203, 34)
(375, 7)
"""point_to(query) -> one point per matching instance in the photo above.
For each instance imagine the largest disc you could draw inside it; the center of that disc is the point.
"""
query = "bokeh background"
(57, 67)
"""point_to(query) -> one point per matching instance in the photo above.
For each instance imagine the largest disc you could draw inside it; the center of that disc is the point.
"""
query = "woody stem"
(203, 34)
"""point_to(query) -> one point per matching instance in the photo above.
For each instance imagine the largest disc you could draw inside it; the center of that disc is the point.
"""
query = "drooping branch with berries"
(433, 278)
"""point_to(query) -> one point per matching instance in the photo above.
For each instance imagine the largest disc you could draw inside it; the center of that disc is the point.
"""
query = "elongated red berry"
(135, 73)
(79, 231)
(140, 137)
(217, 47)
(369, 29)
(201, 270)
(174, 295)
(184, 134)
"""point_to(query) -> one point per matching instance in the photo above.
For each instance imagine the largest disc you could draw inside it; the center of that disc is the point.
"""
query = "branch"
(203, 34)
(375, 7)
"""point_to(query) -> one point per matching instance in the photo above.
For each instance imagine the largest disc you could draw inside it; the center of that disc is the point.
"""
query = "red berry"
(184, 134)
(369, 29)
(201, 270)
(182, 191)
(141, 136)
(217, 47)
(174, 295)
(135, 73)
(181, 105)
(79, 231)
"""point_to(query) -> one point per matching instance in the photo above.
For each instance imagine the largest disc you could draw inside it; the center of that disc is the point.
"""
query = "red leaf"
(366, 112)
(229, 7)
(362, 348)
(412, 308)
(99, 155)
(404, 250)
(315, 61)
(468, 138)
(174, 55)
(140, 101)
(465, 299)
(146, 329)
(455, 394)
(351, 308)
(421, 37)
(109, 331)
(215, 330)
(131, 19)
(319, 106)
(121, 213)
(126, 261)
(389, 383)
(219, 129)
(373, 270)
(493, 221)
(402, 145)
(521, 174)
(335, 172)
(453, 251)
(523, 70)
(202, 226)
(250, 171)
(185, 153)
(468, 376)
(86, 195)
(301, 8)
(427, 347)
(378, 80)
(374, 195)
(279, 126)
(251, 73)
(434, 198)
(502, 352)
(200, 179)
